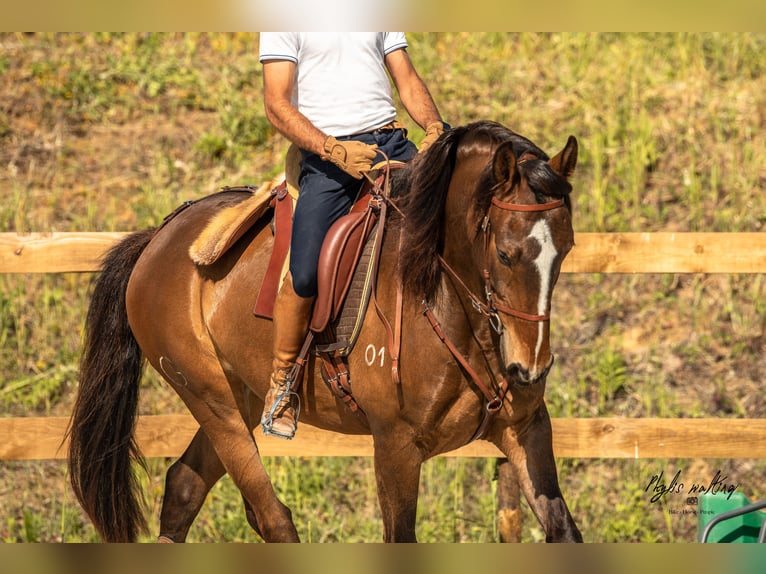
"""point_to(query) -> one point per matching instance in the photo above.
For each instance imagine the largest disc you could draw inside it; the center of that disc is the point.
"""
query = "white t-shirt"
(341, 84)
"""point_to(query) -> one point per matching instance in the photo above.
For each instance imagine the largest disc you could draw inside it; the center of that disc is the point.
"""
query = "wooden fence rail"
(662, 252)
(167, 435)
(37, 438)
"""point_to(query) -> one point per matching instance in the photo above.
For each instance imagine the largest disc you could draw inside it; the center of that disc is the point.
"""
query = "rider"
(329, 94)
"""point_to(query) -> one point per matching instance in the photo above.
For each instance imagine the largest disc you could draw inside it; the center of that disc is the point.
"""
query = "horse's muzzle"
(518, 375)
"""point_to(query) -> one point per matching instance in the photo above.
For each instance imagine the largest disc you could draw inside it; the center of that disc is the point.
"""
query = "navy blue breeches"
(327, 193)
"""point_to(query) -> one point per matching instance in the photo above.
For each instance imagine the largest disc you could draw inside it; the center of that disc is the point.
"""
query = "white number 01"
(371, 354)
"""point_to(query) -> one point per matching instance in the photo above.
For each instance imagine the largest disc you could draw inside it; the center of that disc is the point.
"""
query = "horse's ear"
(504, 163)
(565, 161)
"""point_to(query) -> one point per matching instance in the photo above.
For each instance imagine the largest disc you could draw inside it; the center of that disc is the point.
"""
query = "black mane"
(420, 191)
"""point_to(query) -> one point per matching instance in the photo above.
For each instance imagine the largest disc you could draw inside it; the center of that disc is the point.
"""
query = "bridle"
(491, 307)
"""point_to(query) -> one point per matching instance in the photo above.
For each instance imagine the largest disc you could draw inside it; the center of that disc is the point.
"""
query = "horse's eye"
(504, 257)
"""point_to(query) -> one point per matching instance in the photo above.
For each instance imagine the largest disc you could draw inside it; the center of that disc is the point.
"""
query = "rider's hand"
(353, 157)
(433, 131)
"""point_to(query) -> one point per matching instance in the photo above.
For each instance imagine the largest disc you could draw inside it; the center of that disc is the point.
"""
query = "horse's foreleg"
(531, 453)
(397, 473)
(187, 483)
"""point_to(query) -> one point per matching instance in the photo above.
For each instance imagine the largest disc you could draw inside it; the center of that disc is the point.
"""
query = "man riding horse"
(328, 93)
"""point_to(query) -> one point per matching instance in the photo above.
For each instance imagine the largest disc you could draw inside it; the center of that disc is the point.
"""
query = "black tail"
(102, 447)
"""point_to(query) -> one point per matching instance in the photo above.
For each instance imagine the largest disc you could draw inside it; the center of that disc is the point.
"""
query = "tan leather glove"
(433, 131)
(353, 157)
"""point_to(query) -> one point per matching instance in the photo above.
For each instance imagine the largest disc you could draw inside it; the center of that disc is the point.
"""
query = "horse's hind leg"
(187, 483)
(508, 502)
(531, 453)
(215, 408)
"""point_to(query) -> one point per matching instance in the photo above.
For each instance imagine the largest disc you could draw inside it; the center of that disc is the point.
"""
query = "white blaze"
(541, 233)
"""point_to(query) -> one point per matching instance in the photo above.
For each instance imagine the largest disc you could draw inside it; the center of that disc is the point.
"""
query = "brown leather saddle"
(346, 274)
(342, 250)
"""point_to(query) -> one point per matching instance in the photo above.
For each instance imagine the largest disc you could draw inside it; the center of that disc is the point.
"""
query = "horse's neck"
(463, 248)
(459, 215)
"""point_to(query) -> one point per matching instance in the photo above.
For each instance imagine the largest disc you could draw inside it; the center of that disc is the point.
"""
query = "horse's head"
(527, 232)
(485, 186)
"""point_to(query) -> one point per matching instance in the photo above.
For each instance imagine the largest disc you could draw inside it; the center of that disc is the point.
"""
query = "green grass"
(102, 132)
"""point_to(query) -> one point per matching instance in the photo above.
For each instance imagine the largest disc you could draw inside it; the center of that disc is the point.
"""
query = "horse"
(482, 211)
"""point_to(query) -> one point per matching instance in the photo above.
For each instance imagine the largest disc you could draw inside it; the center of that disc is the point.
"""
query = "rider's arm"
(412, 90)
(353, 157)
(278, 78)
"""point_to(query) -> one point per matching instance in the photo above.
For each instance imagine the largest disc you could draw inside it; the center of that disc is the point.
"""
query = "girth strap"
(336, 376)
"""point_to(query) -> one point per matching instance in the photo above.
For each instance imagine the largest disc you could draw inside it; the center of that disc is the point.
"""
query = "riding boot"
(291, 322)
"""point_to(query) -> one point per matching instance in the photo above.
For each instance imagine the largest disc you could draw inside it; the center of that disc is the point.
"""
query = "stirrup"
(267, 421)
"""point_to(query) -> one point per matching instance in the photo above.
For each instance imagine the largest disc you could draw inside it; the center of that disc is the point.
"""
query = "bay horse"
(483, 211)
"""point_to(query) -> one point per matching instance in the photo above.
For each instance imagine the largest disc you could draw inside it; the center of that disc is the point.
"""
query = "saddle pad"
(349, 322)
(229, 225)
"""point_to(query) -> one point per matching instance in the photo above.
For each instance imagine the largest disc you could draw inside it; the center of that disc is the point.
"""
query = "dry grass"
(112, 131)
